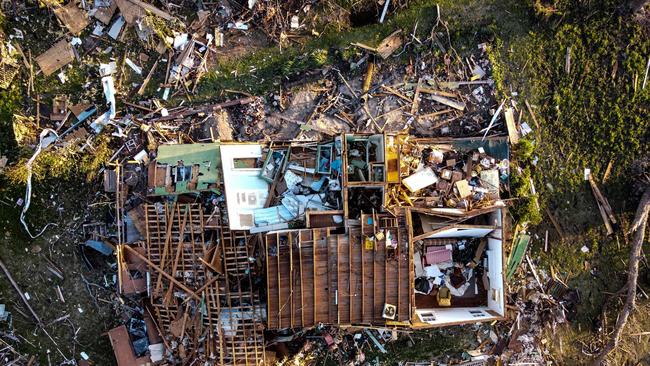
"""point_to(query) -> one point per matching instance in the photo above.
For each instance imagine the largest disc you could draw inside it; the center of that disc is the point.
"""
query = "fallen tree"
(638, 228)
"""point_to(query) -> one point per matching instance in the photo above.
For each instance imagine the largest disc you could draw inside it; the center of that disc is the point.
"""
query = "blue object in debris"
(100, 246)
(336, 165)
(85, 114)
(318, 185)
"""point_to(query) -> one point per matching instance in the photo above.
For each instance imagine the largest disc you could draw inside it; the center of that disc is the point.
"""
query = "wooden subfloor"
(315, 276)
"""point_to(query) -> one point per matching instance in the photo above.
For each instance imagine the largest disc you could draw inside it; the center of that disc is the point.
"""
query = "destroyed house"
(369, 230)
(382, 275)
(418, 242)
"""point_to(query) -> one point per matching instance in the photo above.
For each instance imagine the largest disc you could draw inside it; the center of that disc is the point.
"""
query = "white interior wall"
(495, 271)
(496, 294)
(245, 190)
(461, 232)
(442, 316)
(496, 220)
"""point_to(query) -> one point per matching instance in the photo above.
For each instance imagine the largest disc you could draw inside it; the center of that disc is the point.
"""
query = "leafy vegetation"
(9, 104)
(64, 163)
(594, 113)
(423, 346)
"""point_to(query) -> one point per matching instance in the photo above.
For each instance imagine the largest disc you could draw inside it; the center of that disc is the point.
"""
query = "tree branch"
(638, 227)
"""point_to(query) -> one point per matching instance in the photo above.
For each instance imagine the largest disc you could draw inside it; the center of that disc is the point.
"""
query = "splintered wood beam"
(416, 98)
(146, 226)
(385, 249)
(293, 309)
(315, 245)
(350, 294)
(338, 281)
(602, 200)
(193, 256)
(363, 279)
(241, 300)
(179, 250)
(532, 115)
(302, 291)
(399, 273)
(556, 224)
(163, 273)
(229, 299)
(277, 245)
(374, 276)
(168, 238)
(219, 330)
(207, 284)
(333, 270)
(250, 284)
(120, 262)
(209, 335)
(203, 247)
(268, 276)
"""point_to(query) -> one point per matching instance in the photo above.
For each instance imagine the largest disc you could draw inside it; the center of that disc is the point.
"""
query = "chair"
(444, 297)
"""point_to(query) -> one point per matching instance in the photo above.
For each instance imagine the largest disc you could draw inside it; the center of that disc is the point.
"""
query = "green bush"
(524, 152)
(525, 208)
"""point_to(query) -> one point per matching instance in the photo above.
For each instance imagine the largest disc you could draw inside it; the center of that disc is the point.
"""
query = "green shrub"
(524, 151)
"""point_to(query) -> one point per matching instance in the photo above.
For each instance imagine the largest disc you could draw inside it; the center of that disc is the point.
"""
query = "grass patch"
(589, 117)
(469, 23)
(593, 114)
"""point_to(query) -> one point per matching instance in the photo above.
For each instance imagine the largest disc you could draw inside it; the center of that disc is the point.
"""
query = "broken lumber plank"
(436, 92)
(608, 171)
(162, 272)
(72, 17)
(603, 214)
(56, 57)
(369, 74)
(105, 15)
(416, 98)
(132, 10)
(513, 134)
(386, 47)
(556, 225)
(602, 200)
(457, 84)
(434, 114)
(448, 102)
(389, 44)
(148, 78)
(395, 93)
(532, 115)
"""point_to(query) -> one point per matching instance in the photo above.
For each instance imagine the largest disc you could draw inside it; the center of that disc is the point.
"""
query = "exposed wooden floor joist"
(176, 243)
(315, 276)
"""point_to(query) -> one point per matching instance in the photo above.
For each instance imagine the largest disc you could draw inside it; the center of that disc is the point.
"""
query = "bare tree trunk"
(638, 228)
